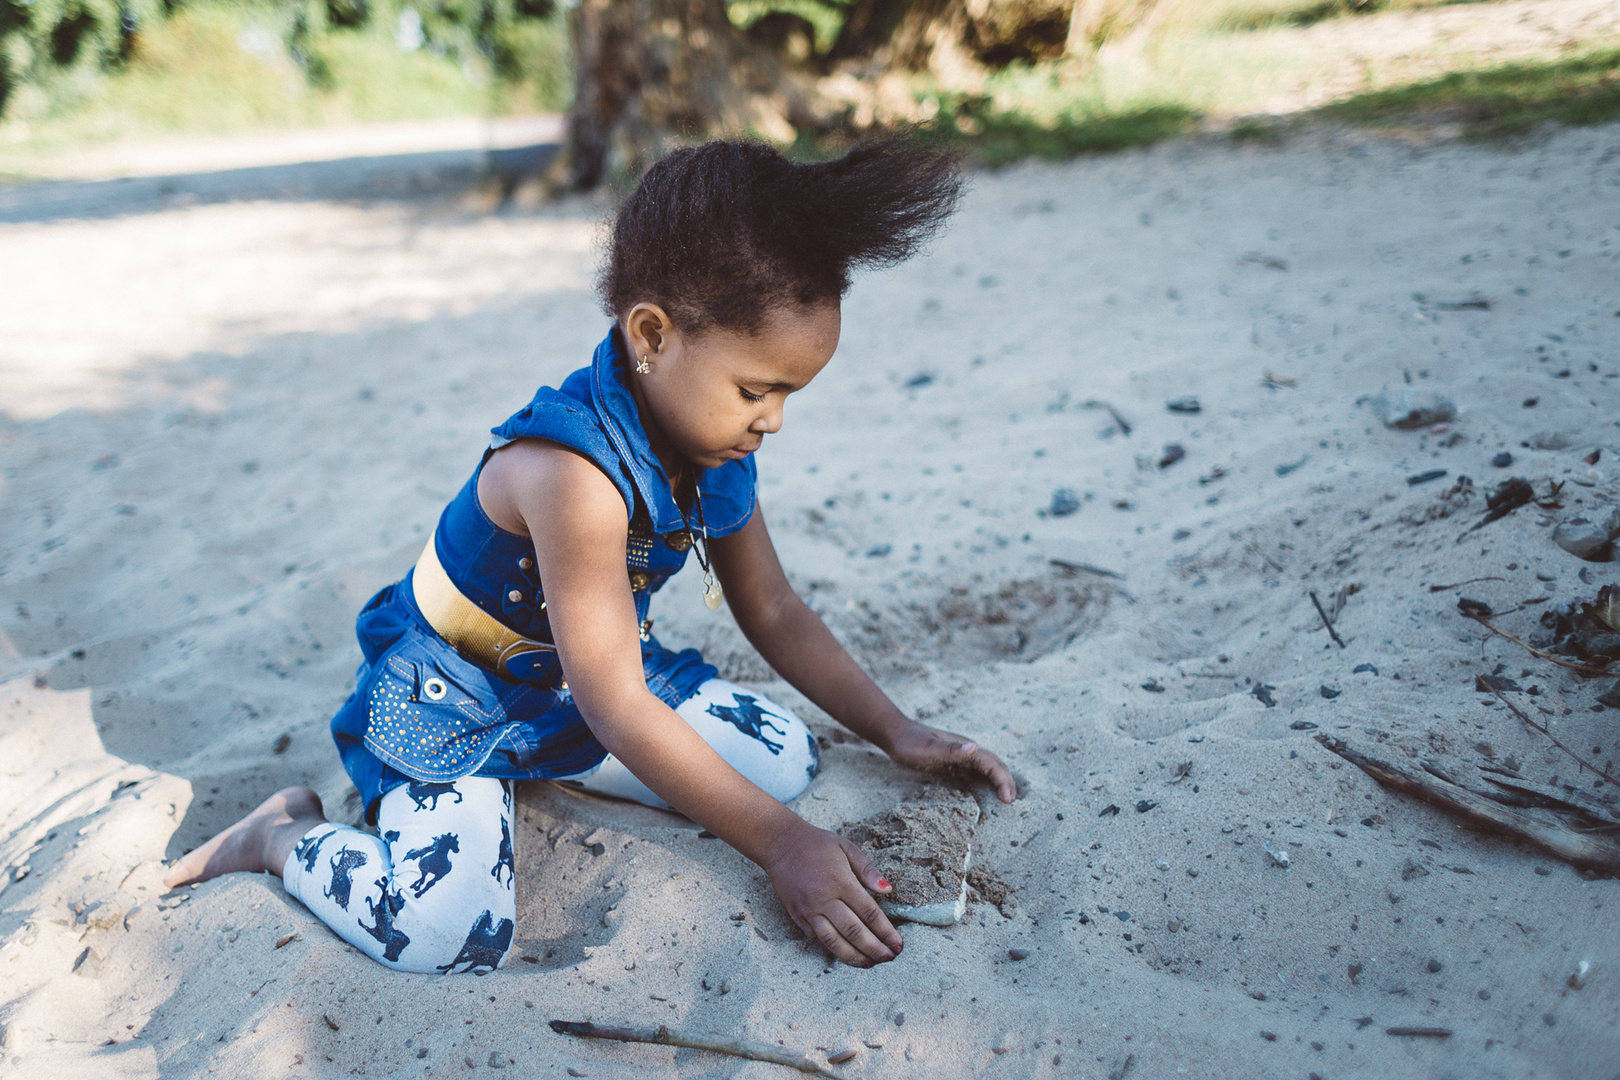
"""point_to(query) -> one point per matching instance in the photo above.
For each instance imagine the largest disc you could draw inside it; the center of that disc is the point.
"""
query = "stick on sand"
(662, 1035)
(1541, 828)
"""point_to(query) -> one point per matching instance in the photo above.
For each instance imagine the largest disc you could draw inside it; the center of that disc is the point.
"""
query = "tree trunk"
(654, 74)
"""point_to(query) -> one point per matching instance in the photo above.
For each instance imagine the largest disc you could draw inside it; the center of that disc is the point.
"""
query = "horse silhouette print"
(421, 791)
(503, 858)
(433, 862)
(747, 717)
(343, 865)
(383, 911)
(308, 848)
(484, 947)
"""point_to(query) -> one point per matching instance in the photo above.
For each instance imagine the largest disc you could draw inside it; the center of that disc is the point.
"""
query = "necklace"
(712, 595)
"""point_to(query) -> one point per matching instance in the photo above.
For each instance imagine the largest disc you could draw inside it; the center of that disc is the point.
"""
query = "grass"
(220, 67)
(1499, 102)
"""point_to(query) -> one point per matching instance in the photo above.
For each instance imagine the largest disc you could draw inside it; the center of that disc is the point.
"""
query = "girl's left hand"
(921, 747)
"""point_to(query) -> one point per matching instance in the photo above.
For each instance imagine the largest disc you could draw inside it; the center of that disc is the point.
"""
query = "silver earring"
(642, 367)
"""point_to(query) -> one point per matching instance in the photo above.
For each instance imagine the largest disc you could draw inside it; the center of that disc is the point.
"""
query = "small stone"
(1162, 865)
(1502, 460)
(88, 964)
(1577, 980)
(496, 1060)
(422, 1053)
(1302, 725)
(841, 1056)
(1583, 538)
(899, 1019)
(326, 1018)
(1064, 503)
(1018, 954)
(282, 742)
(1144, 805)
(471, 1064)
(1187, 405)
(286, 939)
(1328, 691)
(1269, 1036)
(1364, 668)
(1484, 995)
(1001, 1043)
(1435, 966)
(725, 987)
(574, 1072)
(1611, 696)
(1410, 409)
(1174, 926)
(1279, 857)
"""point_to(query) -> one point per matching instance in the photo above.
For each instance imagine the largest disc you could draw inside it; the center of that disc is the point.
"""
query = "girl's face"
(712, 397)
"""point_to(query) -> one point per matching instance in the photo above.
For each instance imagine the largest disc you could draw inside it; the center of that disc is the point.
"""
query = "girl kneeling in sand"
(519, 647)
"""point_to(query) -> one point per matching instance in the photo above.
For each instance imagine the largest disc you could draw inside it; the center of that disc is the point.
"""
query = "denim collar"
(621, 421)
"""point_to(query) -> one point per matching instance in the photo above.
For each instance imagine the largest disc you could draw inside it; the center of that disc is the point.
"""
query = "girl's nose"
(768, 423)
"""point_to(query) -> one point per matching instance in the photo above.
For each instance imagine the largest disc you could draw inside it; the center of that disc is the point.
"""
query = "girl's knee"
(764, 741)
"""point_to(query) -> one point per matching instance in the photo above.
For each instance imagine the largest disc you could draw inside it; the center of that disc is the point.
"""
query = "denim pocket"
(431, 714)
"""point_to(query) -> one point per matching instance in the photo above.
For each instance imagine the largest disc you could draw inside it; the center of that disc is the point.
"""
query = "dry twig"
(1460, 584)
(1540, 827)
(1327, 622)
(1580, 761)
(754, 1051)
(1586, 670)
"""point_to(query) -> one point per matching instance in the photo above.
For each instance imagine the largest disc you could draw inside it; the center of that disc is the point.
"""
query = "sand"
(227, 422)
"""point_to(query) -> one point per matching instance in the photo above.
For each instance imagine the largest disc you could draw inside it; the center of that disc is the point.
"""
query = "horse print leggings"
(433, 892)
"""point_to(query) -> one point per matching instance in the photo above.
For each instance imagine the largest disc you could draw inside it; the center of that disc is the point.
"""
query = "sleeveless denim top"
(521, 723)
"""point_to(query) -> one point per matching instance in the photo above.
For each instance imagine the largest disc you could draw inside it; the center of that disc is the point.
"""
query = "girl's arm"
(578, 522)
(795, 642)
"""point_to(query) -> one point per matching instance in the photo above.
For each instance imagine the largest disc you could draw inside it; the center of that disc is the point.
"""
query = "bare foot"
(255, 842)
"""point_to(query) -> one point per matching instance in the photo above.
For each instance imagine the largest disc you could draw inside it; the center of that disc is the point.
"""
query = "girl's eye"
(750, 397)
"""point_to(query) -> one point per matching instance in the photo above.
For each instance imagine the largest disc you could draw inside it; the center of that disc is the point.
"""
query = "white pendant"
(711, 592)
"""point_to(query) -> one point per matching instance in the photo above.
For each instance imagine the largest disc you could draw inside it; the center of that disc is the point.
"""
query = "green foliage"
(1500, 101)
(74, 69)
(1000, 136)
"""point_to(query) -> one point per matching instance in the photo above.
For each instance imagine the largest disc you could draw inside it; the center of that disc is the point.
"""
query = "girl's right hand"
(823, 881)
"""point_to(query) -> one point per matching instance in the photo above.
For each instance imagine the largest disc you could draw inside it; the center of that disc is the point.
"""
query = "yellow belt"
(472, 631)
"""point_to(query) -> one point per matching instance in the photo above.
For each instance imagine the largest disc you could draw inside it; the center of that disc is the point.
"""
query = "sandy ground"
(225, 424)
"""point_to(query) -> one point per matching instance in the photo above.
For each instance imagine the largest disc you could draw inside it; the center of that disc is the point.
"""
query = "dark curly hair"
(721, 234)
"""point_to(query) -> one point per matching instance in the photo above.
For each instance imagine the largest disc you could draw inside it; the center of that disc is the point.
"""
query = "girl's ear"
(647, 330)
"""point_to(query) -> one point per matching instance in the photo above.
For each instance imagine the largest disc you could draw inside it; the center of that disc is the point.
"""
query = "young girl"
(519, 645)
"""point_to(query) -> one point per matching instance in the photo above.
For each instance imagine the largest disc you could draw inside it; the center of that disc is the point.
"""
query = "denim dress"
(520, 722)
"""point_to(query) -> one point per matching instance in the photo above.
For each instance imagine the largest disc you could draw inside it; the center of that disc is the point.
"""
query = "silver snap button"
(525, 563)
(515, 595)
(434, 689)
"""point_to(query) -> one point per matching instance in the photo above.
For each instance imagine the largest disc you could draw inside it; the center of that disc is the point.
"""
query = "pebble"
(1503, 460)
(1302, 725)
(725, 987)
(1064, 503)
(1174, 926)
(1328, 692)
(1409, 409)
(1018, 954)
(1145, 805)
(1611, 696)
(1186, 405)
(1173, 452)
(1582, 537)
(496, 1060)
(1367, 668)
(1435, 966)
(1424, 477)
(1269, 1036)
(1162, 864)
(1279, 857)
(841, 1057)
